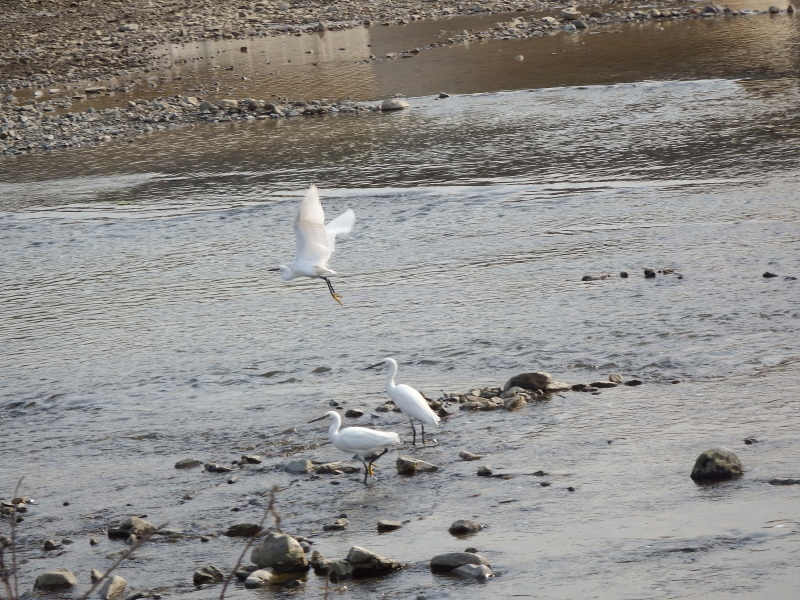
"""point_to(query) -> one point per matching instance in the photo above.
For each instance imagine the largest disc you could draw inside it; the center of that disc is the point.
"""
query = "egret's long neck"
(333, 430)
(286, 273)
(392, 372)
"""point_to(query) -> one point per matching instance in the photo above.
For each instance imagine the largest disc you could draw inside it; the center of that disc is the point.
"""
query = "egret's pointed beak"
(275, 269)
(372, 366)
(319, 419)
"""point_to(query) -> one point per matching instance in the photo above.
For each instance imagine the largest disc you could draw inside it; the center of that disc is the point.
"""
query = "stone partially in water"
(259, 578)
(114, 588)
(465, 527)
(243, 530)
(281, 552)
(407, 465)
(717, 464)
(477, 572)
(453, 560)
(207, 574)
(57, 579)
(394, 104)
(536, 380)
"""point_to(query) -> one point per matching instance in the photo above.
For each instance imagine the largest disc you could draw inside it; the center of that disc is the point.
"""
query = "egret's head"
(286, 272)
(385, 361)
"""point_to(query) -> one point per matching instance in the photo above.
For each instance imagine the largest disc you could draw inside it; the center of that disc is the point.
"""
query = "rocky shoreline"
(125, 38)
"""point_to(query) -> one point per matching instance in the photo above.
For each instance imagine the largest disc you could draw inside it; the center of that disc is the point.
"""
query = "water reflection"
(334, 64)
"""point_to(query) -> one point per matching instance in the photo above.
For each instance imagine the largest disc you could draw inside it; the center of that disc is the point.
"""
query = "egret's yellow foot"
(337, 297)
(370, 471)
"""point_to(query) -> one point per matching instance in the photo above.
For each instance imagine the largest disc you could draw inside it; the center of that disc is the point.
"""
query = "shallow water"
(141, 326)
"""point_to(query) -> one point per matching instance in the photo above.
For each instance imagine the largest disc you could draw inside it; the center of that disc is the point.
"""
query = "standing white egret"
(410, 402)
(315, 241)
(365, 443)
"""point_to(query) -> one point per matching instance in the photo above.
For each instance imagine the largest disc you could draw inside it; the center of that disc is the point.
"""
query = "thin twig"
(122, 558)
(270, 510)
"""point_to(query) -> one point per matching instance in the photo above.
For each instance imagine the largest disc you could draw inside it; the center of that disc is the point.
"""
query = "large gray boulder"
(57, 579)
(281, 552)
(717, 464)
(113, 588)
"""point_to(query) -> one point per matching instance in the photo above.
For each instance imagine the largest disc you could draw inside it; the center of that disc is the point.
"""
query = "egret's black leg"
(374, 458)
(423, 432)
(413, 432)
(367, 470)
(335, 296)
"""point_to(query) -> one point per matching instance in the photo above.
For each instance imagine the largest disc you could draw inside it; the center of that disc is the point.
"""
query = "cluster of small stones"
(30, 127)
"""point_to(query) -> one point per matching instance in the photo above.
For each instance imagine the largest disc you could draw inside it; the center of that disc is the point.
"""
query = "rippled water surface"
(141, 326)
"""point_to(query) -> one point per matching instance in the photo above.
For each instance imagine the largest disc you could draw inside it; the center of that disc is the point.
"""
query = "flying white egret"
(365, 443)
(410, 402)
(315, 241)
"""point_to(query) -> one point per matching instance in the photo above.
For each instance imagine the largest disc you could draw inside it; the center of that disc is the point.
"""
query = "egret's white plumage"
(410, 402)
(365, 443)
(315, 241)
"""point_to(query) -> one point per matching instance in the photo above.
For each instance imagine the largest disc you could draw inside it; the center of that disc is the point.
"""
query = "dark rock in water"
(582, 387)
(281, 552)
(354, 413)
(484, 471)
(751, 440)
(217, 468)
(774, 10)
(464, 527)
(603, 384)
(767, 274)
(790, 278)
(536, 380)
(369, 564)
(784, 481)
(443, 95)
(50, 545)
(623, 274)
(717, 464)
(248, 459)
(453, 560)
(243, 530)
(385, 525)
(57, 579)
(633, 382)
(130, 526)
(338, 525)
(207, 574)
(188, 463)
(649, 273)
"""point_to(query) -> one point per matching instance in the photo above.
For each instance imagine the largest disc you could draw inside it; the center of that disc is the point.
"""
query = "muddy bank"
(43, 118)
(43, 42)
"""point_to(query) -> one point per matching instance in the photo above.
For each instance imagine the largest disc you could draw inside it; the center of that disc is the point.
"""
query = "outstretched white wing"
(313, 248)
(340, 225)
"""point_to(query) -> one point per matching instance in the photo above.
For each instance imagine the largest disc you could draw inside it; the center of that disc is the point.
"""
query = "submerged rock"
(394, 104)
(717, 464)
(476, 572)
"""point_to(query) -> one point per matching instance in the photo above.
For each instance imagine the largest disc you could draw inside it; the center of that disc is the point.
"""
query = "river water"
(141, 324)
